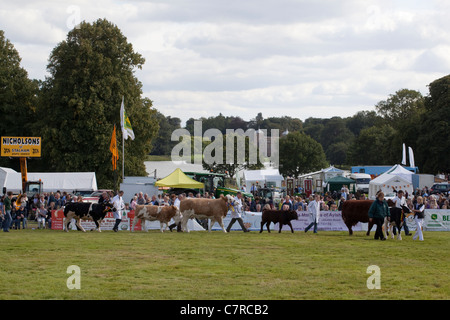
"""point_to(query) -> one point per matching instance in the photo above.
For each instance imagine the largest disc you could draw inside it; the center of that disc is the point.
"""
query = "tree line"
(75, 108)
(366, 138)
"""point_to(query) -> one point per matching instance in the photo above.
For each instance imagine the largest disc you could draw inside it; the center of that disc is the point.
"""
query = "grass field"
(199, 265)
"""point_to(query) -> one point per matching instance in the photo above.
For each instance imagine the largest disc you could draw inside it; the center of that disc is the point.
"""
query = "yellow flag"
(114, 150)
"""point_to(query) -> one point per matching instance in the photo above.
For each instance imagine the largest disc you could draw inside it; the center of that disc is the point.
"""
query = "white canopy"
(398, 170)
(263, 176)
(52, 181)
(394, 178)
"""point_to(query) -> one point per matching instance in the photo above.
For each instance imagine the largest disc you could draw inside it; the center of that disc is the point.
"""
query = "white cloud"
(287, 57)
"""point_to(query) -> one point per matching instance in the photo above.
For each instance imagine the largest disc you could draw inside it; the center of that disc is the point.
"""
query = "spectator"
(287, 204)
(22, 213)
(141, 199)
(1, 211)
(41, 214)
(7, 205)
(51, 207)
(133, 203)
(58, 201)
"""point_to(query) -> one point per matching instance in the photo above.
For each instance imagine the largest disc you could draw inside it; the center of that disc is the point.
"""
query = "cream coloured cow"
(152, 213)
(203, 208)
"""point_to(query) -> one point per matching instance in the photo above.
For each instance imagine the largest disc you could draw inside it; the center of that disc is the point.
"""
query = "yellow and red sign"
(21, 147)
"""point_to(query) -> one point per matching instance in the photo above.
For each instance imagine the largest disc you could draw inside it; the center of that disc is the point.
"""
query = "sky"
(296, 58)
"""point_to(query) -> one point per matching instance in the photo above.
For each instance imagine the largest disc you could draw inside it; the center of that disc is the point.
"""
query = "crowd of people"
(15, 212)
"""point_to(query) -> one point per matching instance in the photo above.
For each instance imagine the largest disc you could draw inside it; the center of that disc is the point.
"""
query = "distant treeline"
(367, 138)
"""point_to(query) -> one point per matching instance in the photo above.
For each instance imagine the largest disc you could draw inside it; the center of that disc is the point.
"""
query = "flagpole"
(123, 158)
(123, 142)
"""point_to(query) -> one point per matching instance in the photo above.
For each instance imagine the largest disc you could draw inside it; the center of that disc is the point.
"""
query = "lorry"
(362, 181)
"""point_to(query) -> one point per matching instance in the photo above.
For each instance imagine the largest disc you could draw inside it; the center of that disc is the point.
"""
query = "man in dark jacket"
(377, 212)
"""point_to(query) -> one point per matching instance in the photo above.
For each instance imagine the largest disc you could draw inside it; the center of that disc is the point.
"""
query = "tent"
(394, 178)
(178, 179)
(336, 183)
(52, 181)
(398, 170)
(269, 176)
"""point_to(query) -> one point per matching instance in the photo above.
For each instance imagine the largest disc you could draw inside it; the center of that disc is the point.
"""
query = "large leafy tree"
(434, 129)
(17, 96)
(299, 153)
(374, 146)
(80, 102)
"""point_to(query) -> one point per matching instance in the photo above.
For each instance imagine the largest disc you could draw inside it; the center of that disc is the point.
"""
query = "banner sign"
(435, 220)
(21, 147)
(107, 223)
(329, 221)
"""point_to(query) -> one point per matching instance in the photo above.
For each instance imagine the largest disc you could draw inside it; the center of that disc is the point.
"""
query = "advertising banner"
(435, 220)
(107, 223)
(329, 221)
(21, 147)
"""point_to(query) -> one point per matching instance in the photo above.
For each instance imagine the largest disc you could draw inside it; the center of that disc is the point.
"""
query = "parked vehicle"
(440, 188)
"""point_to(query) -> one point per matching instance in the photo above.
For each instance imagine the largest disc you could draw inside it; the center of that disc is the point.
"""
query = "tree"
(374, 146)
(362, 120)
(400, 106)
(299, 154)
(80, 101)
(162, 145)
(433, 141)
(217, 150)
(17, 96)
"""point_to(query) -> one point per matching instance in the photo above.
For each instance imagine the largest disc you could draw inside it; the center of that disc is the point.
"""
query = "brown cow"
(153, 213)
(203, 208)
(278, 216)
(354, 211)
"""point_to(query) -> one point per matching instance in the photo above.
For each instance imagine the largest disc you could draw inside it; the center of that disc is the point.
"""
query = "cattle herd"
(215, 210)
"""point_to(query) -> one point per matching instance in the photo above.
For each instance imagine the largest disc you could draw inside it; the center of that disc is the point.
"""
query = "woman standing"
(418, 217)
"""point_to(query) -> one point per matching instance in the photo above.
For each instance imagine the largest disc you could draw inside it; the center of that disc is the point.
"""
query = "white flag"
(127, 130)
(404, 155)
(411, 157)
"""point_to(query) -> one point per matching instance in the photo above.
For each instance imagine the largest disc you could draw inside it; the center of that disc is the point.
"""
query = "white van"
(362, 181)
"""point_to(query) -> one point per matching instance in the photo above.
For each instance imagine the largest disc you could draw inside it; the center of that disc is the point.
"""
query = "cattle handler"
(119, 205)
(377, 212)
(236, 210)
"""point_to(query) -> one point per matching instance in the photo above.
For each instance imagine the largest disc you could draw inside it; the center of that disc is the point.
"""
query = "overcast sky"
(298, 58)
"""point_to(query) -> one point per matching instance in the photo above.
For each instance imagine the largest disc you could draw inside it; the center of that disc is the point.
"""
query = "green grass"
(211, 266)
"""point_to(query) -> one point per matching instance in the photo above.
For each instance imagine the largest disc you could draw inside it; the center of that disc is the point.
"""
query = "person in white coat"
(314, 210)
(419, 216)
(119, 205)
(236, 210)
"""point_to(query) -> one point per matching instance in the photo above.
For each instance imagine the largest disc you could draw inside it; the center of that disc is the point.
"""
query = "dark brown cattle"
(282, 217)
(354, 211)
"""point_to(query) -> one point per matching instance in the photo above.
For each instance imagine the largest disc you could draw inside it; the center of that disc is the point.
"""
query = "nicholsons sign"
(21, 147)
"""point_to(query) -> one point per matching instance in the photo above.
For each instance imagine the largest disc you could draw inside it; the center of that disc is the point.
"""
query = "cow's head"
(406, 209)
(292, 215)
(229, 198)
(108, 207)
